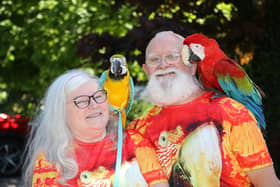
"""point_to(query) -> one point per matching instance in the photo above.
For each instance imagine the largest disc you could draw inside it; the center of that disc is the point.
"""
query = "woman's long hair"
(50, 133)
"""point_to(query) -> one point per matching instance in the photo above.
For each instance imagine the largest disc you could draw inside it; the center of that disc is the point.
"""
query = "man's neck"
(192, 97)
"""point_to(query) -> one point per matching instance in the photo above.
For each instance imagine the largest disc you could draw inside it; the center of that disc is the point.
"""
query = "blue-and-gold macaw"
(120, 91)
(119, 86)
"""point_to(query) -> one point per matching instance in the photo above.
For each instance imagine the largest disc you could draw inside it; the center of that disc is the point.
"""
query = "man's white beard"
(173, 87)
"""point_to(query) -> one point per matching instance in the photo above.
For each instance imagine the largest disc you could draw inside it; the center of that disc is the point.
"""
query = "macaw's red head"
(201, 48)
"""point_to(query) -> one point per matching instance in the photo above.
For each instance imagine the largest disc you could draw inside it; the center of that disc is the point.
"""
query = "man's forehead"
(166, 37)
(166, 40)
(164, 44)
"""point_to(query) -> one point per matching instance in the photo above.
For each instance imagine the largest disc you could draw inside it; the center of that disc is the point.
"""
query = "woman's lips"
(94, 115)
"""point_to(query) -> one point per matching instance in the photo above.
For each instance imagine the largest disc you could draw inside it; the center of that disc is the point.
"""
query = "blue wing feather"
(102, 79)
(131, 95)
(251, 100)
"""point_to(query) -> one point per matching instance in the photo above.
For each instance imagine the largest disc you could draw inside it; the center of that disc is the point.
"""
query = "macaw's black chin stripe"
(115, 76)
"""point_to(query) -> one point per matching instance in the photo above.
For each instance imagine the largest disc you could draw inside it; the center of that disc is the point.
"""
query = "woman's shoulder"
(45, 172)
(42, 163)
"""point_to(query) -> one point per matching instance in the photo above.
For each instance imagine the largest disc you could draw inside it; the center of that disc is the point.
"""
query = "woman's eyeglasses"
(83, 101)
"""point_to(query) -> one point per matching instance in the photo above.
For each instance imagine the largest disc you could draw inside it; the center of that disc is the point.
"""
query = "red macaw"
(216, 71)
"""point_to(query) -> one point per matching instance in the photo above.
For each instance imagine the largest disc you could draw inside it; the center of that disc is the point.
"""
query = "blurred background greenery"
(41, 39)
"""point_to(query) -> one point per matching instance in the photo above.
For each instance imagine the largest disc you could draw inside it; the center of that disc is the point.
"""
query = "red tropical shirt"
(241, 142)
(96, 162)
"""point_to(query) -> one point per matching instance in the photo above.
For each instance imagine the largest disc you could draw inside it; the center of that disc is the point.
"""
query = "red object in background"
(16, 123)
(13, 134)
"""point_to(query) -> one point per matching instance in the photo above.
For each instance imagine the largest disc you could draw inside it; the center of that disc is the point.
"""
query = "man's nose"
(164, 63)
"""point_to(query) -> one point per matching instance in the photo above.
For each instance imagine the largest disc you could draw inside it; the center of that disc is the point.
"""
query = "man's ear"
(146, 70)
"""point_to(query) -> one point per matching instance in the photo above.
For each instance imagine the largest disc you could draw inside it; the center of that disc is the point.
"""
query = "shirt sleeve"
(147, 159)
(246, 140)
(45, 173)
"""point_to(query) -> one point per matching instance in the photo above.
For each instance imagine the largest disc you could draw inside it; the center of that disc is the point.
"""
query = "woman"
(73, 141)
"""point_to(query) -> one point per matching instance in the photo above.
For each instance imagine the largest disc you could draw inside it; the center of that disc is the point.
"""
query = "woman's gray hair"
(50, 133)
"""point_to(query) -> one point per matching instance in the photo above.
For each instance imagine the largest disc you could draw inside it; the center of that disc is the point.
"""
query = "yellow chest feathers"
(118, 92)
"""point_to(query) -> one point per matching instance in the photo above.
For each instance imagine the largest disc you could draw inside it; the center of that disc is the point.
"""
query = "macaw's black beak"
(116, 68)
(193, 59)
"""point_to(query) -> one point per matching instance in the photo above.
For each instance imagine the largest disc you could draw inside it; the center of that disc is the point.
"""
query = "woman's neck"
(98, 136)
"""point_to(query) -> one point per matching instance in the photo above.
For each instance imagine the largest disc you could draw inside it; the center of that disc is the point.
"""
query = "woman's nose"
(92, 103)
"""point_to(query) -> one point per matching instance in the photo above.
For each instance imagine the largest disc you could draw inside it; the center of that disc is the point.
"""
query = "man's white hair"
(164, 34)
(50, 133)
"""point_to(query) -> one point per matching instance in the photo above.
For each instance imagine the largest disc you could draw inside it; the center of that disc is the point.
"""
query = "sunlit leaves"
(226, 9)
(3, 94)
(47, 4)
(41, 36)
(189, 16)
(136, 71)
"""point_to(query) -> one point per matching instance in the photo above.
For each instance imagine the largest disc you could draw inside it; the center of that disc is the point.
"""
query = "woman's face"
(87, 124)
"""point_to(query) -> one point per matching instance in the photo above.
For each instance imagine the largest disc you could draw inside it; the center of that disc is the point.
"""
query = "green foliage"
(38, 42)
(137, 72)
(139, 108)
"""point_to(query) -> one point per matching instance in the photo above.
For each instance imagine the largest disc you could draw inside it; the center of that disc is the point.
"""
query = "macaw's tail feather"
(119, 151)
(260, 90)
(257, 111)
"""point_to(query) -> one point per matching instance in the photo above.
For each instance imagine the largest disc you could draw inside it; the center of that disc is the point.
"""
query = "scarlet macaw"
(216, 71)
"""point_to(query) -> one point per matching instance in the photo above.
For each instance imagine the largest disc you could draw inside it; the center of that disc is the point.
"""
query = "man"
(200, 140)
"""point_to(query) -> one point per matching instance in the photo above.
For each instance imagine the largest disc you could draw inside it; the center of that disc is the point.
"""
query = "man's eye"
(156, 59)
(172, 57)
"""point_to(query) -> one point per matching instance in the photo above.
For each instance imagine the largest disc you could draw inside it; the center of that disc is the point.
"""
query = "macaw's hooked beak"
(193, 58)
(116, 68)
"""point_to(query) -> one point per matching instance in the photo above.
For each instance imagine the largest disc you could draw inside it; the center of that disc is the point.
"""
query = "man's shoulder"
(140, 121)
(227, 102)
(231, 109)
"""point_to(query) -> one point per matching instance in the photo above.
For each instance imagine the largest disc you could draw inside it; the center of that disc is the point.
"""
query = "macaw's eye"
(163, 139)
